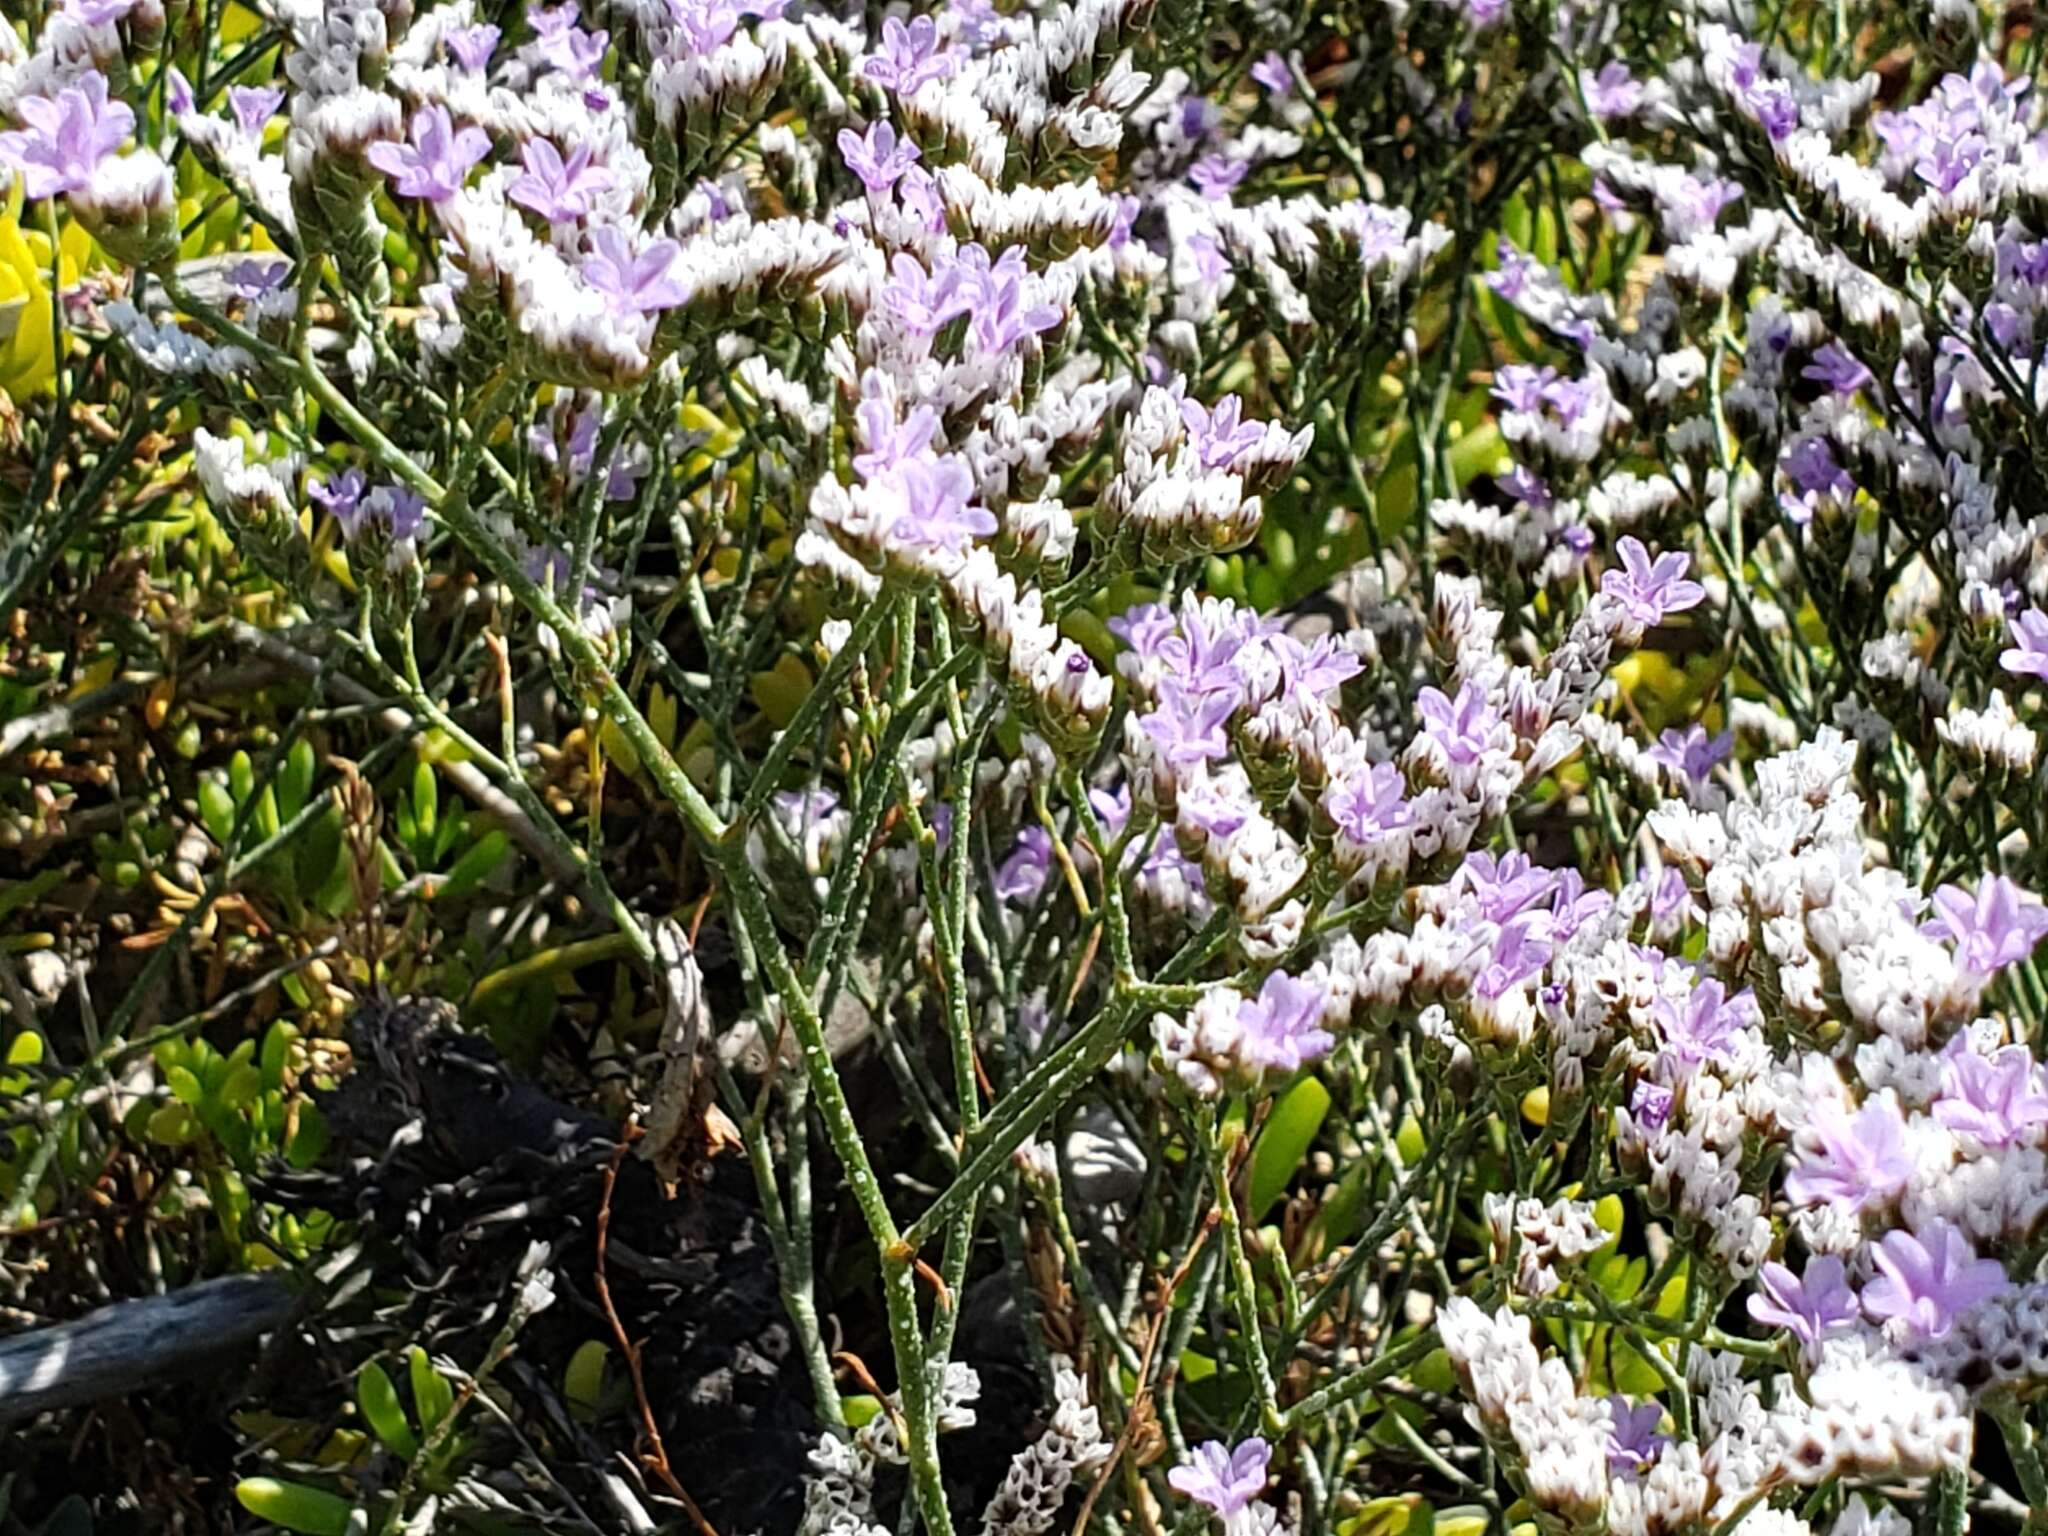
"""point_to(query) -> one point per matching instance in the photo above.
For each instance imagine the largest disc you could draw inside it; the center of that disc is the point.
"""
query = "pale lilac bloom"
(1649, 1104)
(1273, 76)
(1632, 1439)
(1838, 368)
(1125, 221)
(1526, 487)
(1021, 876)
(1705, 1027)
(1692, 753)
(1810, 1308)
(342, 496)
(918, 192)
(254, 105)
(924, 301)
(1929, 1278)
(635, 283)
(178, 98)
(1224, 1480)
(1572, 906)
(2028, 654)
(1206, 804)
(877, 157)
(560, 191)
(403, 511)
(1220, 435)
(561, 42)
(1281, 1029)
(1521, 386)
(1146, 629)
(1189, 726)
(472, 46)
(96, 13)
(1368, 804)
(891, 444)
(1613, 93)
(998, 298)
(1518, 955)
(1997, 1100)
(1463, 729)
(933, 509)
(437, 162)
(252, 279)
(1503, 887)
(1217, 176)
(910, 57)
(1651, 591)
(1862, 1160)
(1811, 467)
(1313, 673)
(67, 136)
(1997, 927)
(1211, 266)
(976, 21)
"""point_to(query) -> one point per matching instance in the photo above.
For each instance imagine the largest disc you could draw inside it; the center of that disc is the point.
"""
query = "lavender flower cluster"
(1634, 842)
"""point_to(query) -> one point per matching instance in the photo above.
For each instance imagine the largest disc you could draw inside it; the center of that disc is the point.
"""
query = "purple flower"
(1862, 1159)
(177, 93)
(931, 506)
(998, 296)
(1996, 1100)
(891, 444)
(1521, 386)
(1837, 367)
(1810, 465)
(67, 136)
(634, 283)
(1651, 590)
(1208, 805)
(1705, 1027)
(1463, 729)
(1282, 1027)
(1210, 263)
(1312, 674)
(1367, 805)
(1022, 875)
(253, 279)
(560, 191)
(2028, 655)
(1649, 1104)
(560, 42)
(342, 496)
(254, 105)
(910, 58)
(1224, 1480)
(403, 511)
(1219, 434)
(1613, 93)
(1691, 752)
(1189, 726)
(472, 46)
(919, 194)
(1572, 906)
(1273, 76)
(96, 13)
(1927, 1279)
(878, 158)
(1632, 1438)
(1518, 955)
(1997, 927)
(1809, 1308)
(1146, 629)
(1217, 176)
(923, 301)
(1501, 888)
(438, 160)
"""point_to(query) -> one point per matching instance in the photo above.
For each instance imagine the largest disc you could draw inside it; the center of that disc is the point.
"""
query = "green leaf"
(432, 1397)
(241, 777)
(294, 1506)
(1289, 1132)
(277, 1048)
(310, 1139)
(240, 1087)
(426, 802)
(583, 1381)
(383, 1412)
(478, 864)
(216, 810)
(184, 1085)
(295, 780)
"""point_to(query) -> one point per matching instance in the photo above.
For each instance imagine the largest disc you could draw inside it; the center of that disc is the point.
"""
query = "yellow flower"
(28, 357)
